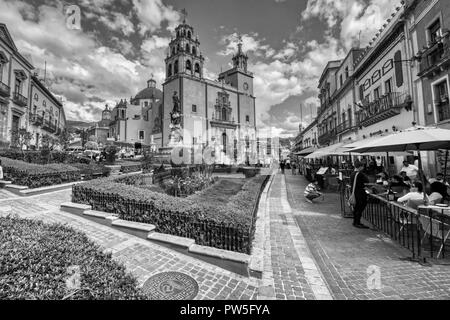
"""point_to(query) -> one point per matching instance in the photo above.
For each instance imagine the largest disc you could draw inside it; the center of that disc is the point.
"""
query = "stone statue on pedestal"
(176, 136)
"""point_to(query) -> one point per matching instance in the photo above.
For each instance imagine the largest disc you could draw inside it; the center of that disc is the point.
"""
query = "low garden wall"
(228, 227)
(36, 176)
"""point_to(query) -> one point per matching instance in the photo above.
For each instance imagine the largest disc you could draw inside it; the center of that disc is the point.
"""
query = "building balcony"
(36, 120)
(344, 127)
(5, 91)
(327, 137)
(48, 126)
(435, 58)
(20, 100)
(383, 108)
(221, 123)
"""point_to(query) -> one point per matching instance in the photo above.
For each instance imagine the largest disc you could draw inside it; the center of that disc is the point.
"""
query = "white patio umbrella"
(414, 139)
(326, 151)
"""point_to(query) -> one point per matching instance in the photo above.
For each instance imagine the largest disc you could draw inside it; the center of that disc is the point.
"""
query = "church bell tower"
(184, 56)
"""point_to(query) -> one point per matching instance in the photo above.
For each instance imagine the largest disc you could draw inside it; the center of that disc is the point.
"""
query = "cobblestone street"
(311, 253)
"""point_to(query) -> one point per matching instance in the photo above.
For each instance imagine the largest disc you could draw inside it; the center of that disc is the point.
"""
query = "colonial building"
(213, 112)
(327, 120)
(15, 87)
(345, 97)
(47, 116)
(429, 27)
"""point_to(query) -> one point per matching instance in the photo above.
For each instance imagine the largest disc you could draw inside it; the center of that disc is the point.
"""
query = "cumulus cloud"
(152, 13)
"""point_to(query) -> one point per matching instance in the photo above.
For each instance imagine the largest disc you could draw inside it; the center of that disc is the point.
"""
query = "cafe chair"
(435, 229)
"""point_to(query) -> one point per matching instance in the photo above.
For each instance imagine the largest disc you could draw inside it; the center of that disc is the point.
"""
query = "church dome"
(151, 92)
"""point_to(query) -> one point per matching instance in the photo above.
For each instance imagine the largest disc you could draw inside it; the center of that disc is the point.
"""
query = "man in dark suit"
(360, 194)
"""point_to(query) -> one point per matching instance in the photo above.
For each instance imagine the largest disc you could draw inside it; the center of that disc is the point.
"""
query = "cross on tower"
(185, 14)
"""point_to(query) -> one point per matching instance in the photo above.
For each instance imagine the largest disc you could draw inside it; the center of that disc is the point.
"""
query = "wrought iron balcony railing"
(36, 119)
(436, 57)
(343, 127)
(326, 137)
(20, 99)
(49, 126)
(383, 108)
(5, 91)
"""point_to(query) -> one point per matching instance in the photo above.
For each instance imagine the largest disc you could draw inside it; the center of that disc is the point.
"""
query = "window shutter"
(398, 69)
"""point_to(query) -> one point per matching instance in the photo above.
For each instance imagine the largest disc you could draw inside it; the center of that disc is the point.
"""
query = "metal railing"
(387, 105)
(410, 228)
(444, 111)
(346, 125)
(327, 136)
(20, 99)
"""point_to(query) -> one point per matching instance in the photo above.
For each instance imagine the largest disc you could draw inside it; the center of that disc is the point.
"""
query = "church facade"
(221, 112)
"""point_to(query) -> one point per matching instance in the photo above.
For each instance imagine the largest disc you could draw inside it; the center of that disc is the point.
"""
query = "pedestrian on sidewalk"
(1, 170)
(312, 192)
(358, 180)
(282, 166)
(294, 168)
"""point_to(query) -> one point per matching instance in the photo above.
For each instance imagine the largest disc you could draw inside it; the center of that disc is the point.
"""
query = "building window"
(175, 67)
(18, 87)
(224, 114)
(141, 135)
(376, 93)
(388, 86)
(36, 97)
(247, 118)
(367, 98)
(340, 80)
(188, 49)
(188, 65)
(442, 101)
(434, 31)
(122, 112)
(169, 70)
(189, 34)
(174, 51)
(194, 51)
(44, 104)
(194, 108)
(346, 73)
(197, 68)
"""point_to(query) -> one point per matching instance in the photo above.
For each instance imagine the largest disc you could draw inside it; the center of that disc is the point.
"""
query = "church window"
(224, 114)
(173, 51)
(36, 97)
(247, 118)
(123, 114)
(188, 65)
(197, 68)
(194, 51)
(146, 103)
(141, 135)
(188, 49)
(169, 70)
(175, 67)
(189, 34)
(224, 142)
(194, 108)
(178, 47)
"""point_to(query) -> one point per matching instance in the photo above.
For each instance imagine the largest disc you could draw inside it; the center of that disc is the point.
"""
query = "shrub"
(92, 170)
(130, 167)
(36, 257)
(36, 176)
(110, 154)
(227, 227)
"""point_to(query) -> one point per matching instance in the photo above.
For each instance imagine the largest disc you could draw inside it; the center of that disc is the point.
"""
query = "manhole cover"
(171, 286)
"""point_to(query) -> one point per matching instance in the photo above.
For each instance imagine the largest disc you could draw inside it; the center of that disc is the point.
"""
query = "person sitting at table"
(406, 179)
(415, 197)
(383, 179)
(411, 170)
(436, 196)
(439, 178)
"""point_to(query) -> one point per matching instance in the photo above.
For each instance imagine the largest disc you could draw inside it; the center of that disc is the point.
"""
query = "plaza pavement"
(311, 252)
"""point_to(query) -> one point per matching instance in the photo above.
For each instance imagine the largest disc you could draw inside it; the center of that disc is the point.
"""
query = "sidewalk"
(140, 257)
(344, 254)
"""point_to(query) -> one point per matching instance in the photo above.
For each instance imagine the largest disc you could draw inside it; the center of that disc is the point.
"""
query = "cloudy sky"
(122, 42)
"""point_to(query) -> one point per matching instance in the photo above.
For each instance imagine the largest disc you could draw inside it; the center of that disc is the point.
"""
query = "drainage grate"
(171, 286)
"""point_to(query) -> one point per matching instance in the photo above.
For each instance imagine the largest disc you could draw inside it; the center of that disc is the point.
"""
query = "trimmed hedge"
(130, 167)
(36, 176)
(229, 227)
(91, 171)
(35, 260)
(37, 157)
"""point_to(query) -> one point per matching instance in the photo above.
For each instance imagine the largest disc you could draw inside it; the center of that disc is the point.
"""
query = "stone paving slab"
(141, 257)
(347, 257)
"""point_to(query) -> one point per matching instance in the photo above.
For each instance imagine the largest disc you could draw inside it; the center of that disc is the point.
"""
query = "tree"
(64, 138)
(91, 145)
(48, 142)
(21, 138)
